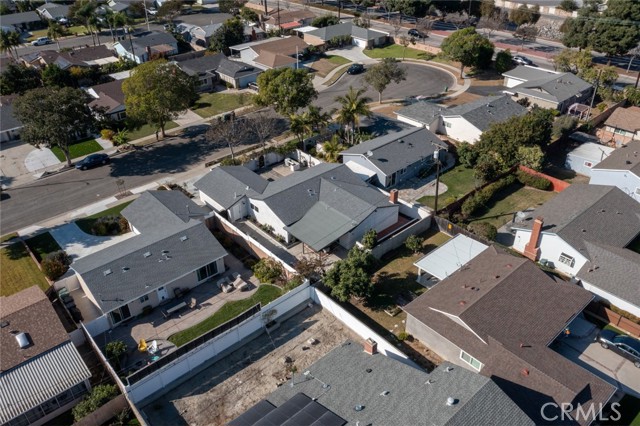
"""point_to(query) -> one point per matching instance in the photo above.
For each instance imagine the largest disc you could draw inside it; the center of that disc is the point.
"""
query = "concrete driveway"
(77, 244)
(604, 363)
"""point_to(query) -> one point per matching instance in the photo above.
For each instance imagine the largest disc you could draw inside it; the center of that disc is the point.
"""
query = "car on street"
(92, 160)
(355, 69)
(522, 60)
(41, 41)
(624, 345)
(415, 33)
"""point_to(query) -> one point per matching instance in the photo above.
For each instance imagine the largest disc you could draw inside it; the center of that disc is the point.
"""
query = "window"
(144, 298)
(620, 131)
(471, 360)
(447, 124)
(207, 271)
(403, 171)
(588, 164)
(254, 208)
(566, 259)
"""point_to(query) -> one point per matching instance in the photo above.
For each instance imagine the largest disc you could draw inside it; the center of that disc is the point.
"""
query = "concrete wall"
(71, 283)
(579, 164)
(98, 325)
(628, 182)
(460, 130)
(399, 238)
(379, 220)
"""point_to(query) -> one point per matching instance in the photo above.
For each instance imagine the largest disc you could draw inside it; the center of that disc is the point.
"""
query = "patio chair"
(193, 303)
(153, 348)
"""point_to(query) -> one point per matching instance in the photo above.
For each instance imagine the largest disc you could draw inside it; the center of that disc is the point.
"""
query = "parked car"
(355, 69)
(92, 160)
(624, 345)
(415, 33)
(522, 60)
(253, 86)
(41, 41)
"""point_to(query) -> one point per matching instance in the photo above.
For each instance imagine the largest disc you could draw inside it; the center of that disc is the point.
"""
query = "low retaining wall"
(557, 185)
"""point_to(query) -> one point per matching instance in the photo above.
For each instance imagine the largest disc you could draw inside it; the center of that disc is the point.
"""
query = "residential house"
(572, 232)
(586, 156)
(53, 11)
(323, 205)
(271, 53)
(147, 46)
(200, 35)
(497, 316)
(42, 375)
(210, 69)
(353, 386)
(621, 168)
(81, 57)
(172, 251)
(21, 22)
(9, 125)
(288, 19)
(622, 126)
(465, 122)
(394, 158)
(108, 100)
(545, 88)
(365, 38)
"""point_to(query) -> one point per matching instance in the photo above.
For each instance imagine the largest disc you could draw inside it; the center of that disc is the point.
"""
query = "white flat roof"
(451, 256)
(305, 29)
(592, 151)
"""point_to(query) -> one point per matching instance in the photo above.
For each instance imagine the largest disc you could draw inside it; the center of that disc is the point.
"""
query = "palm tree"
(97, 25)
(55, 31)
(352, 106)
(332, 149)
(85, 12)
(316, 118)
(298, 126)
(9, 42)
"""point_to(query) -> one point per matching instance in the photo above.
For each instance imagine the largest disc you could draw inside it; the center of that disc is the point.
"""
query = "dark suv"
(355, 69)
(92, 160)
(415, 33)
(624, 345)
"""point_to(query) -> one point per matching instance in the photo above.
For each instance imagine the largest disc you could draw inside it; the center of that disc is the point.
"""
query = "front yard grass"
(19, 271)
(459, 181)
(86, 223)
(78, 149)
(510, 200)
(265, 294)
(211, 104)
(395, 51)
(8, 237)
(42, 244)
(147, 130)
(71, 31)
(337, 59)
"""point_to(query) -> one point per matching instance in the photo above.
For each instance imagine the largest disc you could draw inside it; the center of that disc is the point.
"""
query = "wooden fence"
(605, 314)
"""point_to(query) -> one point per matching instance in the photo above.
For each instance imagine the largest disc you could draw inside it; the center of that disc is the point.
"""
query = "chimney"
(393, 196)
(370, 346)
(532, 250)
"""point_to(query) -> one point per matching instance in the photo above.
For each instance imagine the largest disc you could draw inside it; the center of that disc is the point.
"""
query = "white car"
(41, 41)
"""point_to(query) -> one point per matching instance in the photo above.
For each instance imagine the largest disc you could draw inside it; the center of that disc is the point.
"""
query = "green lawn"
(338, 60)
(147, 130)
(510, 200)
(42, 244)
(629, 410)
(78, 149)
(19, 271)
(211, 104)
(70, 32)
(459, 181)
(395, 51)
(86, 223)
(265, 294)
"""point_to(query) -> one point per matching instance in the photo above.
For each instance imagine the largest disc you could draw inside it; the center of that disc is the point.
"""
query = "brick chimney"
(371, 346)
(393, 196)
(532, 250)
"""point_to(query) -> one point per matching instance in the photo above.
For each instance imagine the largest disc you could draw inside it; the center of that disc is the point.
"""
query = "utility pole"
(595, 89)
(436, 157)
(146, 14)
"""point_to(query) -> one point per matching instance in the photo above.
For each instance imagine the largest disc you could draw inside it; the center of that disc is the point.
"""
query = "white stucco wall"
(364, 162)
(433, 126)
(460, 130)
(577, 164)
(210, 202)
(239, 210)
(380, 219)
(551, 246)
(614, 300)
(266, 216)
(628, 182)
(512, 82)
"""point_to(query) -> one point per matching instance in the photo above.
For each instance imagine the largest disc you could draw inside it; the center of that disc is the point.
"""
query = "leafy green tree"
(572, 61)
(169, 10)
(53, 117)
(414, 243)
(380, 75)
(632, 95)
(230, 6)
(531, 156)
(325, 21)
(370, 239)
(115, 20)
(525, 15)
(268, 270)
(56, 31)
(568, 5)
(286, 90)
(229, 34)
(604, 76)
(504, 61)
(487, 8)
(467, 154)
(526, 32)
(249, 15)
(9, 42)
(99, 396)
(618, 31)
(316, 119)
(157, 92)
(114, 350)
(351, 276)
(353, 105)
(469, 48)
(85, 11)
(18, 79)
(54, 76)
(297, 126)
(578, 32)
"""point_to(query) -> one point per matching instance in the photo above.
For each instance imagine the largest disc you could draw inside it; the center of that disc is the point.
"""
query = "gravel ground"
(225, 390)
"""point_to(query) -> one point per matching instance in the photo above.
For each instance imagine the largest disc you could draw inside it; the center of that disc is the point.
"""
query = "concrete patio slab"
(78, 244)
(40, 158)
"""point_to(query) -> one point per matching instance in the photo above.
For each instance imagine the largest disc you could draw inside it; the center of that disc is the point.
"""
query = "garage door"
(360, 42)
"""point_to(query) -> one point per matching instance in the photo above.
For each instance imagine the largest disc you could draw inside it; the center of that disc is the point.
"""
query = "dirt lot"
(225, 390)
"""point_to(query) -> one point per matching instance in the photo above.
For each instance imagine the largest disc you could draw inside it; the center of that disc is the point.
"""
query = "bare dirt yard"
(223, 391)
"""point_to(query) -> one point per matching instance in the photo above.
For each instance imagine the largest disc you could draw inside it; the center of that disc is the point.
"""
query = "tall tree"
(265, 125)
(54, 76)
(353, 105)
(332, 149)
(157, 92)
(487, 8)
(229, 34)
(325, 21)
(469, 48)
(619, 29)
(286, 90)
(383, 73)
(316, 118)
(53, 117)
(351, 276)
(524, 15)
(169, 10)
(55, 31)
(231, 133)
(578, 32)
(9, 42)
(18, 79)
(84, 11)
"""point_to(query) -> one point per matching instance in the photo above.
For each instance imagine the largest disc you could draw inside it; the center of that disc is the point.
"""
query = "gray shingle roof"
(555, 87)
(227, 184)
(20, 18)
(207, 63)
(597, 213)
(149, 40)
(236, 69)
(627, 157)
(344, 29)
(488, 110)
(528, 73)
(613, 269)
(424, 112)
(410, 399)
(396, 151)
(7, 120)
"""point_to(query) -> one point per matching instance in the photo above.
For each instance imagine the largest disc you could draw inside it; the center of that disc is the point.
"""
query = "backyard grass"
(395, 51)
(459, 181)
(512, 199)
(19, 271)
(265, 294)
(86, 223)
(147, 130)
(78, 149)
(211, 104)
(42, 244)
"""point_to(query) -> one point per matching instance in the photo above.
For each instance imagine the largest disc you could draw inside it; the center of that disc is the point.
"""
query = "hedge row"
(482, 197)
(533, 181)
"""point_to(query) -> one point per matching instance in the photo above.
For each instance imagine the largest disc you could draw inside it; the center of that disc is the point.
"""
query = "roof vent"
(368, 370)
(584, 230)
(628, 162)
(165, 252)
(462, 303)
(359, 407)
(23, 340)
(400, 140)
(125, 268)
(496, 276)
(4, 324)
(333, 178)
(429, 382)
(384, 393)
(184, 238)
(147, 254)
(448, 369)
(369, 153)
(524, 372)
(451, 401)
(107, 272)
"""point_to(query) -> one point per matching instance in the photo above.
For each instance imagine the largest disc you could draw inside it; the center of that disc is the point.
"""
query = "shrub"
(124, 224)
(107, 134)
(114, 351)
(228, 161)
(483, 196)
(414, 243)
(107, 225)
(293, 282)
(121, 137)
(99, 396)
(533, 181)
(467, 155)
(484, 230)
(370, 239)
(563, 125)
(268, 270)
(403, 335)
(56, 264)
(504, 61)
